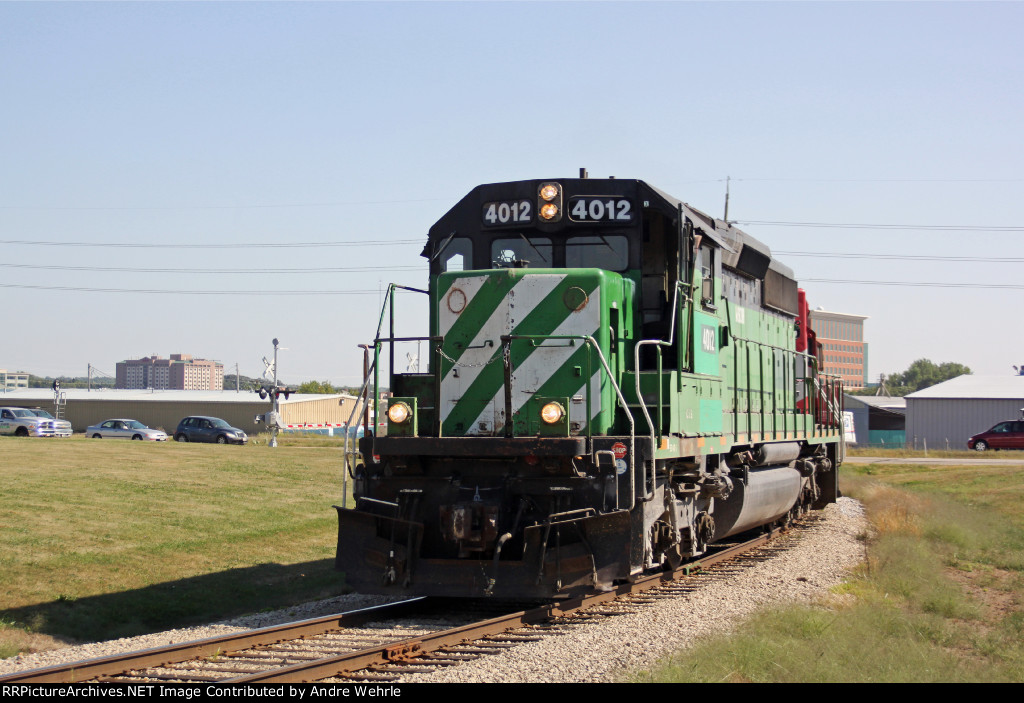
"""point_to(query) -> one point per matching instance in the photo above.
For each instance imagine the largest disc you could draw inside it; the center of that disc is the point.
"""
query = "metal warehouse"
(164, 409)
(946, 414)
(878, 420)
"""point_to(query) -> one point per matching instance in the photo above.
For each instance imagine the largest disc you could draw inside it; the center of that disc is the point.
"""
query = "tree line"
(921, 374)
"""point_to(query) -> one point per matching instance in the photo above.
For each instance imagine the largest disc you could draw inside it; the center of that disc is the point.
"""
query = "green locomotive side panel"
(711, 411)
(746, 378)
(687, 420)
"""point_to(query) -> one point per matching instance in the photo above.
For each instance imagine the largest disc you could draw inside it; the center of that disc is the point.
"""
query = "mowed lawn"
(108, 537)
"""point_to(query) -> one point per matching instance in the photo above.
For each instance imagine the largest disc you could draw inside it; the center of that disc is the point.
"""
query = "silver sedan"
(124, 429)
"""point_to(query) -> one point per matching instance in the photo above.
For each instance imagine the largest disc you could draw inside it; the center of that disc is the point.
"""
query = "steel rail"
(116, 664)
(406, 651)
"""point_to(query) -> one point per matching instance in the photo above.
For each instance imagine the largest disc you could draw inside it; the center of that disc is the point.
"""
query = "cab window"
(610, 253)
(457, 255)
(511, 251)
(707, 274)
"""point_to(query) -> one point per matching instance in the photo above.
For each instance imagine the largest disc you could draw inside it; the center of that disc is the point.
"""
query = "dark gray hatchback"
(200, 428)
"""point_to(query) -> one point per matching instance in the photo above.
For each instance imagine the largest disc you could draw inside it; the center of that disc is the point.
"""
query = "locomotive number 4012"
(508, 212)
(600, 209)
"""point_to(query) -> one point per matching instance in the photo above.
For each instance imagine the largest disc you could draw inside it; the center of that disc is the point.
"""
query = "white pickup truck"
(24, 423)
(61, 428)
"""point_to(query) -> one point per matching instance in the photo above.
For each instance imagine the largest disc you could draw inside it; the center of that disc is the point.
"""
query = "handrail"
(349, 465)
(363, 392)
(793, 356)
(636, 373)
(826, 392)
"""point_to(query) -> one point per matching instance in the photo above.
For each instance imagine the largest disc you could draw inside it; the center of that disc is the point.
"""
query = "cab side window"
(707, 274)
(457, 255)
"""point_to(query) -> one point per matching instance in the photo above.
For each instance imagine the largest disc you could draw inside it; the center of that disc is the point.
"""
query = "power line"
(878, 180)
(927, 228)
(179, 245)
(903, 257)
(378, 269)
(158, 291)
(402, 242)
(349, 203)
(340, 203)
(922, 284)
(246, 271)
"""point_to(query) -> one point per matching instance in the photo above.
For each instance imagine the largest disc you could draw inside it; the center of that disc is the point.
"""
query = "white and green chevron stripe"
(475, 309)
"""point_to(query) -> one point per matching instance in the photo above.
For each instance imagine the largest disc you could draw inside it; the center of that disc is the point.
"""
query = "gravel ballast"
(610, 651)
(596, 653)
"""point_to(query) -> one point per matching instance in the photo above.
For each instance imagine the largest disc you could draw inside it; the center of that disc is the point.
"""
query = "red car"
(1005, 435)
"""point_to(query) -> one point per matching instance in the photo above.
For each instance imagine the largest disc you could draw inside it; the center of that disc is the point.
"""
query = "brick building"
(844, 351)
(181, 372)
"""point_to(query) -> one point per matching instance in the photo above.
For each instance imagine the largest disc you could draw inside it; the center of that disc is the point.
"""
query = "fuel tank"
(768, 494)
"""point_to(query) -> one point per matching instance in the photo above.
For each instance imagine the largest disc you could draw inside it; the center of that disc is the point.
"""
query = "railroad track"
(384, 643)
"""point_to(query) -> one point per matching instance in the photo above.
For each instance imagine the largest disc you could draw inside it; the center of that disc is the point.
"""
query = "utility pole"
(277, 414)
(273, 418)
(726, 216)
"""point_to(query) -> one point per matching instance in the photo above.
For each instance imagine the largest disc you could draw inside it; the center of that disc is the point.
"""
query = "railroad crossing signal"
(273, 392)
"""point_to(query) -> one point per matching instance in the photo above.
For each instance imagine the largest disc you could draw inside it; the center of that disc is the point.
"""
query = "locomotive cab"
(612, 385)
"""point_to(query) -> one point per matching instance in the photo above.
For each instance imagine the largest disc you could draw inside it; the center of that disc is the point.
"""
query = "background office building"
(844, 352)
(181, 372)
(10, 379)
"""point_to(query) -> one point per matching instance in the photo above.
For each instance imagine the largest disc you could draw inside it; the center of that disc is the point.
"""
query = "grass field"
(107, 538)
(939, 598)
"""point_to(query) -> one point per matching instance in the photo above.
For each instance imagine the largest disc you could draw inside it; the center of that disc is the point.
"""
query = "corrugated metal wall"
(330, 410)
(952, 420)
(240, 413)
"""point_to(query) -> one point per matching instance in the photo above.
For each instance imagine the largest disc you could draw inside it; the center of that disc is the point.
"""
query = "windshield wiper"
(530, 244)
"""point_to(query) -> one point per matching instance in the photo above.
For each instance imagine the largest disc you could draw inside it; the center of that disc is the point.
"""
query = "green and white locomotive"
(616, 381)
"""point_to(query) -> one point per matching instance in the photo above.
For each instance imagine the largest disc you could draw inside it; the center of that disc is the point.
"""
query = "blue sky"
(253, 124)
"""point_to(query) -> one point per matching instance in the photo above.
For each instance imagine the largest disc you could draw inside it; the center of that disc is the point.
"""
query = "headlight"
(549, 202)
(552, 413)
(399, 413)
